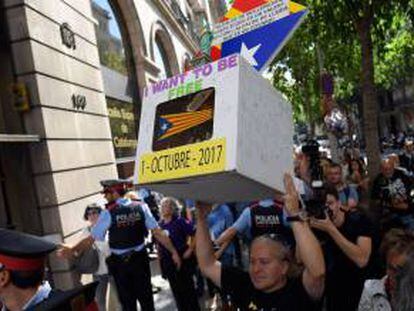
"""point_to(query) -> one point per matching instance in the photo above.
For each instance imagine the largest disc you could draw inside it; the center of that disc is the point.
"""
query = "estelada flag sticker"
(257, 30)
(184, 120)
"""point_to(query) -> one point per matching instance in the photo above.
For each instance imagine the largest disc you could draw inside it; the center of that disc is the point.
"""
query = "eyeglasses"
(92, 213)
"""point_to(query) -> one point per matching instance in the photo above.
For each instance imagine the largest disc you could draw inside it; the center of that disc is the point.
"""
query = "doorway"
(18, 208)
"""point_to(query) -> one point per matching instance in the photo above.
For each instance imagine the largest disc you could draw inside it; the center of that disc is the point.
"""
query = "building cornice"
(165, 10)
(150, 66)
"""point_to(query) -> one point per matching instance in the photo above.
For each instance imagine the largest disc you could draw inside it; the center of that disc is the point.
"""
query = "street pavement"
(164, 300)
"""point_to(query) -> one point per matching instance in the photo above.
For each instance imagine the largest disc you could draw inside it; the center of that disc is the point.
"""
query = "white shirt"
(374, 296)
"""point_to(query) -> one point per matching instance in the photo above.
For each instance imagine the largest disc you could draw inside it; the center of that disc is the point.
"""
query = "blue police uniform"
(264, 217)
(127, 223)
(20, 252)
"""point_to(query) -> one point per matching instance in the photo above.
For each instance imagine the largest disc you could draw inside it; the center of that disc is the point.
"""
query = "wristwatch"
(301, 216)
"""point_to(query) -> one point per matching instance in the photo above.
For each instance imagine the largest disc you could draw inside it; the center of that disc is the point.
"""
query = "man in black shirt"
(407, 157)
(347, 249)
(391, 193)
(266, 287)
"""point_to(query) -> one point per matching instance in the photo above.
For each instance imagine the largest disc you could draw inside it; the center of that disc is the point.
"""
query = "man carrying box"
(267, 285)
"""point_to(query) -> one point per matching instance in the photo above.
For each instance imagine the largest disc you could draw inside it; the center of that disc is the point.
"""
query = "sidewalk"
(164, 300)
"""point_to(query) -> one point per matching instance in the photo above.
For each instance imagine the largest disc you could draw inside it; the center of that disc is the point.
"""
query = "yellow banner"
(190, 160)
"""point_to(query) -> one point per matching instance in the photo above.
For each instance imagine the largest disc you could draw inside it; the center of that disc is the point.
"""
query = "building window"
(161, 58)
(122, 101)
(110, 46)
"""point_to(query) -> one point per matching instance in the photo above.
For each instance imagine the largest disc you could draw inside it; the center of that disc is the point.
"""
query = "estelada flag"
(261, 44)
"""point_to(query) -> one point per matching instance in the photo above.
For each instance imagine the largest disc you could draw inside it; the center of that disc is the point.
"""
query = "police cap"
(78, 299)
(119, 185)
(23, 252)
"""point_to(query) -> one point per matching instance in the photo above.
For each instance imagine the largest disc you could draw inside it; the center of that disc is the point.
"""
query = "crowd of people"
(343, 246)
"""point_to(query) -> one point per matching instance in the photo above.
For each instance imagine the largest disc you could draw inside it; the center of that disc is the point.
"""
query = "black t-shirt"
(292, 297)
(384, 189)
(344, 279)
(407, 161)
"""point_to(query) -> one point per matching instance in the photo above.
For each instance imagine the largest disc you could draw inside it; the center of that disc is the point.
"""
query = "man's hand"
(291, 197)
(217, 254)
(325, 225)
(65, 252)
(307, 246)
(187, 254)
(203, 209)
(208, 264)
(177, 260)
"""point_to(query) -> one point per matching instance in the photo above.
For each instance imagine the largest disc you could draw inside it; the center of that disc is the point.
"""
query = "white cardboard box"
(243, 124)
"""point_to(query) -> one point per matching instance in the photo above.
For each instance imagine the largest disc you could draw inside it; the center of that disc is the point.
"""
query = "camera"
(311, 151)
(315, 206)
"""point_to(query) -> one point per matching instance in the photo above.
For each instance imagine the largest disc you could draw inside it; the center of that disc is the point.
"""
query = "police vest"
(266, 220)
(127, 227)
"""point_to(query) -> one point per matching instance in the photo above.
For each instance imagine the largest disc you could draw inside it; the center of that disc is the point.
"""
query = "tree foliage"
(364, 44)
(394, 60)
(114, 61)
(330, 28)
(295, 74)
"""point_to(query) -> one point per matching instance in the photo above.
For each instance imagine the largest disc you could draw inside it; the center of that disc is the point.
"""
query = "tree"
(394, 62)
(353, 35)
(295, 73)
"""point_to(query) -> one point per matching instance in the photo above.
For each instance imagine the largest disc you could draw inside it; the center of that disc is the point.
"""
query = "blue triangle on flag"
(272, 37)
(164, 126)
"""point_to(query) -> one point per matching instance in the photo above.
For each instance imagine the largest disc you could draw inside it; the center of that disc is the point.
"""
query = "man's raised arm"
(307, 245)
(207, 262)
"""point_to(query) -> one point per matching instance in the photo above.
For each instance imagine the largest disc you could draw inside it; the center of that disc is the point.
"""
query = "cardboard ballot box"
(218, 133)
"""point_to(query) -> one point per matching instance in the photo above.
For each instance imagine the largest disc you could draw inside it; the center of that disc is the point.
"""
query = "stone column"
(55, 54)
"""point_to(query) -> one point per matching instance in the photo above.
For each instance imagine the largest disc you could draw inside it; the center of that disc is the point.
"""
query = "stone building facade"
(57, 140)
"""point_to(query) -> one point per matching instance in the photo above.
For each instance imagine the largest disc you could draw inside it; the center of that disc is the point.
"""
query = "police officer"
(22, 268)
(126, 222)
(263, 217)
